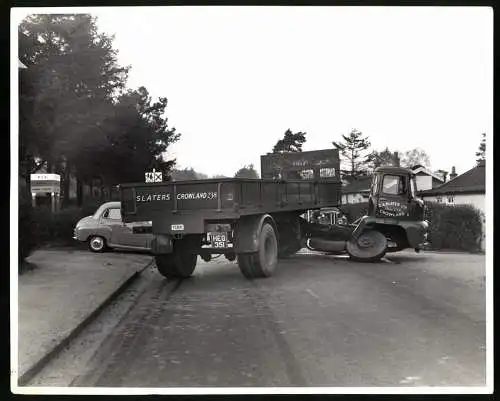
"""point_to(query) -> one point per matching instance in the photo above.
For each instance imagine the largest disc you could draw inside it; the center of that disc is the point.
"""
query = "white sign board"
(45, 177)
(44, 183)
(154, 176)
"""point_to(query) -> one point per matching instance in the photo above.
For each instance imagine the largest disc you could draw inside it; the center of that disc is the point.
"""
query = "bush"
(454, 227)
(49, 227)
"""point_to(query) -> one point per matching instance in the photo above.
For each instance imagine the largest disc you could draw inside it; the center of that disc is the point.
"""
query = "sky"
(237, 78)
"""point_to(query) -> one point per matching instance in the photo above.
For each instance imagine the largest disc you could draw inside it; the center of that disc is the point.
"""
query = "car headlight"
(425, 224)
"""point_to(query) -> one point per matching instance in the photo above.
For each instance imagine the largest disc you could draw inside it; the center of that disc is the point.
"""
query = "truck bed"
(228, 198)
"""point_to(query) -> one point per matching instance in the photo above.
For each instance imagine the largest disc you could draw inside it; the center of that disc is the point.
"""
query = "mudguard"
(161, 244)
(415, 230)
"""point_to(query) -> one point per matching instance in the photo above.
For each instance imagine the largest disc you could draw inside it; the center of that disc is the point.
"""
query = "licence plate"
(218, 240)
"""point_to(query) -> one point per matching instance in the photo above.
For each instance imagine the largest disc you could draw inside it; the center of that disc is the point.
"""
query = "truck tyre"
(371, 245)
(176, 265)
(97, 243)
(263, 262)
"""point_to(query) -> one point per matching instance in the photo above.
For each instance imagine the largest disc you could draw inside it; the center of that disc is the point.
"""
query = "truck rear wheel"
(180, 263)
(263, 262)
(176, 265)
(371, 245)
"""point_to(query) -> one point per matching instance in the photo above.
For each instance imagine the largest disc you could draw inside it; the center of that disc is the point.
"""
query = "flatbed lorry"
(258, 221)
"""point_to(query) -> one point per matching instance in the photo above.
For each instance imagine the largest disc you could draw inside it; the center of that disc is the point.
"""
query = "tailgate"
(143, 202)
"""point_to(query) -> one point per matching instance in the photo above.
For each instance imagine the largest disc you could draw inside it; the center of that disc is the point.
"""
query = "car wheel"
(97, 243)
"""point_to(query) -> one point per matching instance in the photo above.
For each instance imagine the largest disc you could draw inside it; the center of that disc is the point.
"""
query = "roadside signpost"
(153, 176)
(43, 184)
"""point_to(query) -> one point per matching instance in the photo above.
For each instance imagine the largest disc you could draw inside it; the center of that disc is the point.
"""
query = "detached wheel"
(370, 246)
(264, 261)
(97, 243)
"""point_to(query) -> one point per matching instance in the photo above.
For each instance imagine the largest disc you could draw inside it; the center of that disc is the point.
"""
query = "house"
(357, 191)
(466, 189)
(426, 179)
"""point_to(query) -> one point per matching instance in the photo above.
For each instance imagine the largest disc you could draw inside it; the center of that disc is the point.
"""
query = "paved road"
(415, 320)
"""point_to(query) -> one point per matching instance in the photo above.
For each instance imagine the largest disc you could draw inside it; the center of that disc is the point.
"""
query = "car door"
(121, 234)
(143, 235)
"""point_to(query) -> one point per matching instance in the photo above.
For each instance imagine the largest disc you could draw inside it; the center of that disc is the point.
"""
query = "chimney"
(444, 174)
(453, 173)
(396, 160)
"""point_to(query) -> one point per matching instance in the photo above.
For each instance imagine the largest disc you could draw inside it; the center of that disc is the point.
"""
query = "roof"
(472, 181)
(421, 170)
(360, 185)
(394, 170)
(107, 205)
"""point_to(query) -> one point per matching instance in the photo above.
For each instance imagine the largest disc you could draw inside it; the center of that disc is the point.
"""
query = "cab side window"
(113, 214)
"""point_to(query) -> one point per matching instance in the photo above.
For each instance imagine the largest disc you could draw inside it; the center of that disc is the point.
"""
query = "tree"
(481, 153)
(442, 173)
(187, 174)
(414, 157)
(353, 152)
(76, 114)
(137, 136)
(247, 172)
(385, 157)
(291, 142)
(73, 77)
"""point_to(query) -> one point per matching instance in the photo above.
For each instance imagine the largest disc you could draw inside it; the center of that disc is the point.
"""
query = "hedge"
(48, 227)
(457, 227)
(27, 241)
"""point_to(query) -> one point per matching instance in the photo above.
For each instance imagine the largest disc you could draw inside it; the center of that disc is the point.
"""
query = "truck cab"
(395, 218)
(394, 194)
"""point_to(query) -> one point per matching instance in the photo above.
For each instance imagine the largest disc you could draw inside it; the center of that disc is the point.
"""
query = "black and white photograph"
(251, 200)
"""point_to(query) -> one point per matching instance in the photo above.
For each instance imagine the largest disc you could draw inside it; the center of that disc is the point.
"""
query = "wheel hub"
(365, 241)
(97, 243)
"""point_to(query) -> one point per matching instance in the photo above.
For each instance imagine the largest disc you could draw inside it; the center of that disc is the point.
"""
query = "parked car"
(105, 229)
